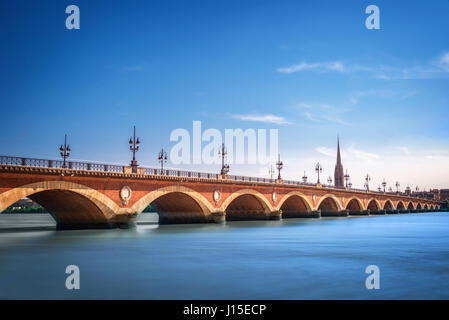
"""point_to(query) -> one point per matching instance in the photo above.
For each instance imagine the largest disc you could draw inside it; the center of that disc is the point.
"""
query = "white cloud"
(326, 151)
(405, 150)
(318, 66)
(350, 153)
(362, 155)
(322, 112)
(268, 118)
(444, 61)
(436, 68)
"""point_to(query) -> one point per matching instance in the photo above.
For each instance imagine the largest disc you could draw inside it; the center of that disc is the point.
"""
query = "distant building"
(338, 173)
(444, 194)
(24, 203)
(430, 195)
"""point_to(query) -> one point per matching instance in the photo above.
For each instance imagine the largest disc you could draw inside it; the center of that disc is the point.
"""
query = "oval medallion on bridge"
(217, 196)
(125, 194)
(274, 197)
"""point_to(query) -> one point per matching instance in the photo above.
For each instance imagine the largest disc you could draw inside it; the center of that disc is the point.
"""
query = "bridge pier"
(122, 221)
(219, 217)
(253, 215)
(359, 213)
(275, 215)
(404, 211)
(125, 221)
(341, 213)
(379, 212)
(308, 214)
(183, 218)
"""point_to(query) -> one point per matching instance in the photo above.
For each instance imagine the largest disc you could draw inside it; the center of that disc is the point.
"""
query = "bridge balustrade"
(77, 165)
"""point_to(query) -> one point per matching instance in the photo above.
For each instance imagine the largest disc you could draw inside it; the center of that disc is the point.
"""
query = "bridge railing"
(101, 167)
(75, 165)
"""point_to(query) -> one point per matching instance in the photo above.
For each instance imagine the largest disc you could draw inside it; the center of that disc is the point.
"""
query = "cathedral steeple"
(338, 173)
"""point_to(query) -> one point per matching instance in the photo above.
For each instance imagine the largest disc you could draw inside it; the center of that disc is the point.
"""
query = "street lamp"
(367, 180)
(397, 186)
(318, 169)
(304, 178)
(346, 176)
(279, 166)
(65, 151)
(350, 184)
(384, 184)
(379, 189)
(134, 147)
(329, 180)
(271, 172)
(162, 157)
(390, 189)
(224, 167)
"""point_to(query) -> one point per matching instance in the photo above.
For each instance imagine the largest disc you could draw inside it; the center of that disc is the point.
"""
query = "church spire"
(338, 173)
(338, 151)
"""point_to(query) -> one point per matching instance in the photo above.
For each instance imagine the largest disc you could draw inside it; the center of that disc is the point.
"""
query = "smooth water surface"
(290, 259)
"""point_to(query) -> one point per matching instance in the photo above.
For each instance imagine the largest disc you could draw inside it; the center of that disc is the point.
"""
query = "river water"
(289, 259)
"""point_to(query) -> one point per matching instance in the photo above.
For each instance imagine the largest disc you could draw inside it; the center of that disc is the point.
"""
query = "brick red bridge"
(92, 195)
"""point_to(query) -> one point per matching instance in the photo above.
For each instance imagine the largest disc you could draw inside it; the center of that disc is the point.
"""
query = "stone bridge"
(91, 195)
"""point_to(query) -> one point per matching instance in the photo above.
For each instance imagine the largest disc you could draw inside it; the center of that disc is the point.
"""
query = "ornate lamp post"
(271, 172)
(224, 167)
(379, 189)
(390, 190)
(367, 180)
(134, 147)
(304, 178)
(417, 189)
(384, 184)
(346, 176)
(350, 184)
(397, 186)
(65, 151)
(279, 166)
(162, 157)
(318, 169)
(329, 180)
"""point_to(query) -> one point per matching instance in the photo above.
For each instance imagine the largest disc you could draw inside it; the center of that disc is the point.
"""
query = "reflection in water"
(288, 259)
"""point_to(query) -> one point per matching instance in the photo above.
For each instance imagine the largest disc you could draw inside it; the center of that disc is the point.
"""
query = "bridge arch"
(246, 204)
(373, 205)
(388, 205)
(400, 205)
(329, 203)
(354, 204)
(419, 206)
(293, 204)
(426, 207)
(410, 206)
(72, 205)
(176, 204)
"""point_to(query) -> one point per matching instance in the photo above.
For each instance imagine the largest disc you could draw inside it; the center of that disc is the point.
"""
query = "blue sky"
(309, 68)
